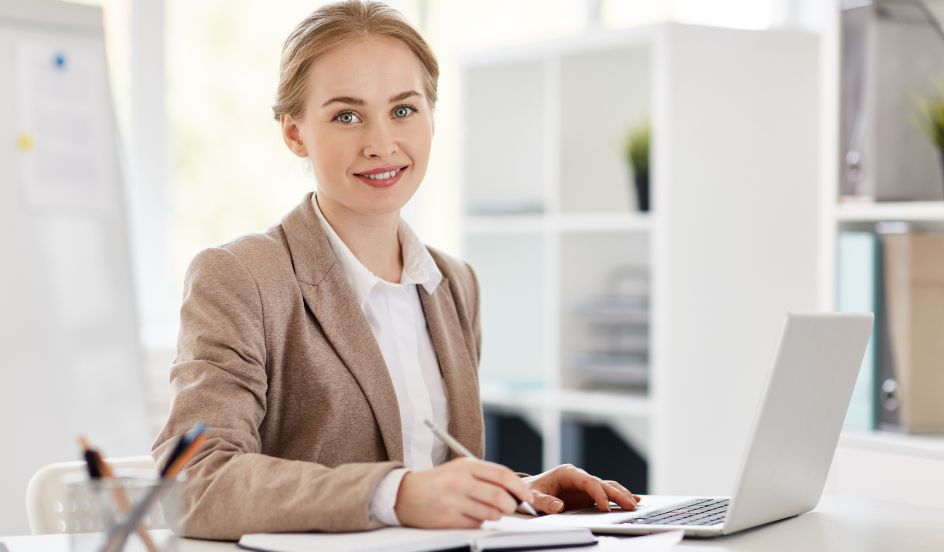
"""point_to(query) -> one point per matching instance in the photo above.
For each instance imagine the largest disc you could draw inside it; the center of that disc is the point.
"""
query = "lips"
(380, 170)
(382, 177)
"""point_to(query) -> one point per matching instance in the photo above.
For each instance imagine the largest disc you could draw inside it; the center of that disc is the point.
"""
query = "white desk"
(838, 524)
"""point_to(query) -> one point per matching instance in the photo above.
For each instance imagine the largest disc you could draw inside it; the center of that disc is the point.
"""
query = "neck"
(371, 238)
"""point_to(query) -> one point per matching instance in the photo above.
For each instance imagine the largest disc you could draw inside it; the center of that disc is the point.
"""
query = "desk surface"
(837, 524)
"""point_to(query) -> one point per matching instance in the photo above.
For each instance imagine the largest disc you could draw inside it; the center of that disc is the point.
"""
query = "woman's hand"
(461, 493)
(570, 487)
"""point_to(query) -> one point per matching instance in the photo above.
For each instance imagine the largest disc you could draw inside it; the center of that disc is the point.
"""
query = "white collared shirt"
(398, 323)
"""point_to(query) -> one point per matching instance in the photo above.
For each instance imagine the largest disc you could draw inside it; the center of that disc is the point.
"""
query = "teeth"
(383, 176)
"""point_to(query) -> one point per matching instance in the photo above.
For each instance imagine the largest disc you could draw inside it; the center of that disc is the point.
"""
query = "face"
(367, 126)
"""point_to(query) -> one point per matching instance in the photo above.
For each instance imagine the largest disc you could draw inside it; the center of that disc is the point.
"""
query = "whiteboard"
(72, 362)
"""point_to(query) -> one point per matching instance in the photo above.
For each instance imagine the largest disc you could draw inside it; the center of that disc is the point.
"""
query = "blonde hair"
(330, 26)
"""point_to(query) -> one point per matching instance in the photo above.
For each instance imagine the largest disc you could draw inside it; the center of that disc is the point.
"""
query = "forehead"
(372, 68)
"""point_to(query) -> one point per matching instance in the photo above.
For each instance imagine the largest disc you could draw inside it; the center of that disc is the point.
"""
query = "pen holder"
(93, 509)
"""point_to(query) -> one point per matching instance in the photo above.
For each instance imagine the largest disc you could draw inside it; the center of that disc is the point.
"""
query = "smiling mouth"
(380, 177)
(384, 179)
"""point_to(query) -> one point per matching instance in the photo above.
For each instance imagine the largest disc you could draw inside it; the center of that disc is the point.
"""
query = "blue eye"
(347, 118)
(402, 111)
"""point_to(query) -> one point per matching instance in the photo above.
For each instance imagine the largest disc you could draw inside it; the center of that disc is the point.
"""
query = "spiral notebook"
(506, 534)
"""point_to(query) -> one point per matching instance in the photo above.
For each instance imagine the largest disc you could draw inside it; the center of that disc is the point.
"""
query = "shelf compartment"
(604, 94)
(504, 162)
(512, 283)
(605, 305)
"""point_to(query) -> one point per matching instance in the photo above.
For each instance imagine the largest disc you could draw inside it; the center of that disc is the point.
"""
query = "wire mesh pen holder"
(107, 507)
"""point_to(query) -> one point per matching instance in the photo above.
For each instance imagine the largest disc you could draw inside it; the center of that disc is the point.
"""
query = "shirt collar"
(418, 265)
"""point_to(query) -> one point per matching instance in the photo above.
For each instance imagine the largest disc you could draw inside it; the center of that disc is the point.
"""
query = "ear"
(292, 135)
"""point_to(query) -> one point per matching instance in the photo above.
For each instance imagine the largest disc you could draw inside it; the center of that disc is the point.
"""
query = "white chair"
(52, 508)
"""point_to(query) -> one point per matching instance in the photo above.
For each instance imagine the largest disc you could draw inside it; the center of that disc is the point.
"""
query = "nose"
(380, 140)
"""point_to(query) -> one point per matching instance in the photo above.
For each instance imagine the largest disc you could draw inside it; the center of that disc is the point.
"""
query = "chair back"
(53, 507)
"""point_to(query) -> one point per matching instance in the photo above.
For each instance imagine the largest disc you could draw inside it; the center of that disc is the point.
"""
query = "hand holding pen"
(461, 493)
(457, 447)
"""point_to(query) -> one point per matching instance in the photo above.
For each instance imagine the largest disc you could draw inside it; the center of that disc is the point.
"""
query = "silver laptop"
(791, 444)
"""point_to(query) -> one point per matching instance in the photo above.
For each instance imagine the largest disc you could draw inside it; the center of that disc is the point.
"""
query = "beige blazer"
(276, 356)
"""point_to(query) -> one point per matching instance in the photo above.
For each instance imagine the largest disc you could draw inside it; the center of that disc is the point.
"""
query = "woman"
(315, 350)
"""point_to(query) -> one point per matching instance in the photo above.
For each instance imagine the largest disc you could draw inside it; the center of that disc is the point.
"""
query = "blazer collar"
(331, 300)
(418, 264)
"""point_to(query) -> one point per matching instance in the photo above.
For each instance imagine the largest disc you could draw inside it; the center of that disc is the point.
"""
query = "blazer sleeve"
(219, 377)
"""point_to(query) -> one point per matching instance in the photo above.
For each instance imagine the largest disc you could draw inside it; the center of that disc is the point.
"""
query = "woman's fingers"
(489, 494)
(466, 522)
(594, 488)
(547, 504)
(502, 476)
(602, 492)
(480, 511)
(616, 484)
(622, 497)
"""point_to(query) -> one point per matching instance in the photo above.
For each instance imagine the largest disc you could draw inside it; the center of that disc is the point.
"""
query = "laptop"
(790, 447)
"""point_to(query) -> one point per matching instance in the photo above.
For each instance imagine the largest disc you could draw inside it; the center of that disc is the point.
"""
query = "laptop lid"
(797, 426)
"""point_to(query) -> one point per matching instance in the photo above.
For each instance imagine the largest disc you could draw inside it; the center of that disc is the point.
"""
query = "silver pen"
(457, 447)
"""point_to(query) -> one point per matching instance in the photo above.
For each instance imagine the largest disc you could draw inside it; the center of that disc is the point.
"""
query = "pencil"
(457, 447)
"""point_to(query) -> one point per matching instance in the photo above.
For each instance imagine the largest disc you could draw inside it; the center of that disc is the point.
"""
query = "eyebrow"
(358, 101)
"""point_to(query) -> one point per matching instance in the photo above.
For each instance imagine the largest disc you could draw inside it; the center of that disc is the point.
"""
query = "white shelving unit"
(874, 464)
(731, 244)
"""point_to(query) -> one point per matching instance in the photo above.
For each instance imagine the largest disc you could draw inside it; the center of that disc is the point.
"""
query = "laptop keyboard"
(701, 511)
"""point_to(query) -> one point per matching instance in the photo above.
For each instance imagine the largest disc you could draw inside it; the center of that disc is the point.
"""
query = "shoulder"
(262, 256)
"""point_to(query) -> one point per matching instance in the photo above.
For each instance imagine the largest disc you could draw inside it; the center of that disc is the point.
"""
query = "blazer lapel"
(331, 301)
(458, 371)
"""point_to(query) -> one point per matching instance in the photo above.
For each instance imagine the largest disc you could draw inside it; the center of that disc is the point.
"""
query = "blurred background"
(644, 187)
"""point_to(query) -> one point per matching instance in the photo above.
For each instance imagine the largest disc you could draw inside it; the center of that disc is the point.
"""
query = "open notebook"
(508, 533)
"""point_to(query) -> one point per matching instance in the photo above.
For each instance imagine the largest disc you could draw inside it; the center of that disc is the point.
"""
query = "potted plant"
(932, 120)
(636, 148)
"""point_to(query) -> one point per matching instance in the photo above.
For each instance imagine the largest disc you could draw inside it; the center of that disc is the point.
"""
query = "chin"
(386, 201)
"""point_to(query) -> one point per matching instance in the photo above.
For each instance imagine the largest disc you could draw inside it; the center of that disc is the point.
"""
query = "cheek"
(421, 140)
(331, 151)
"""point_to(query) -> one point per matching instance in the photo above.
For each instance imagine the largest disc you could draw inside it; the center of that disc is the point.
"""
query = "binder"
(859, 269)
(914, 293)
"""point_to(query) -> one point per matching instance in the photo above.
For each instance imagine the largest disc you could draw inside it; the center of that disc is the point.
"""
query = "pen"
(457, 447)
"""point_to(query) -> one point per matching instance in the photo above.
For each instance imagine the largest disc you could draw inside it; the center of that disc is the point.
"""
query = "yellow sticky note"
(24, 141)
